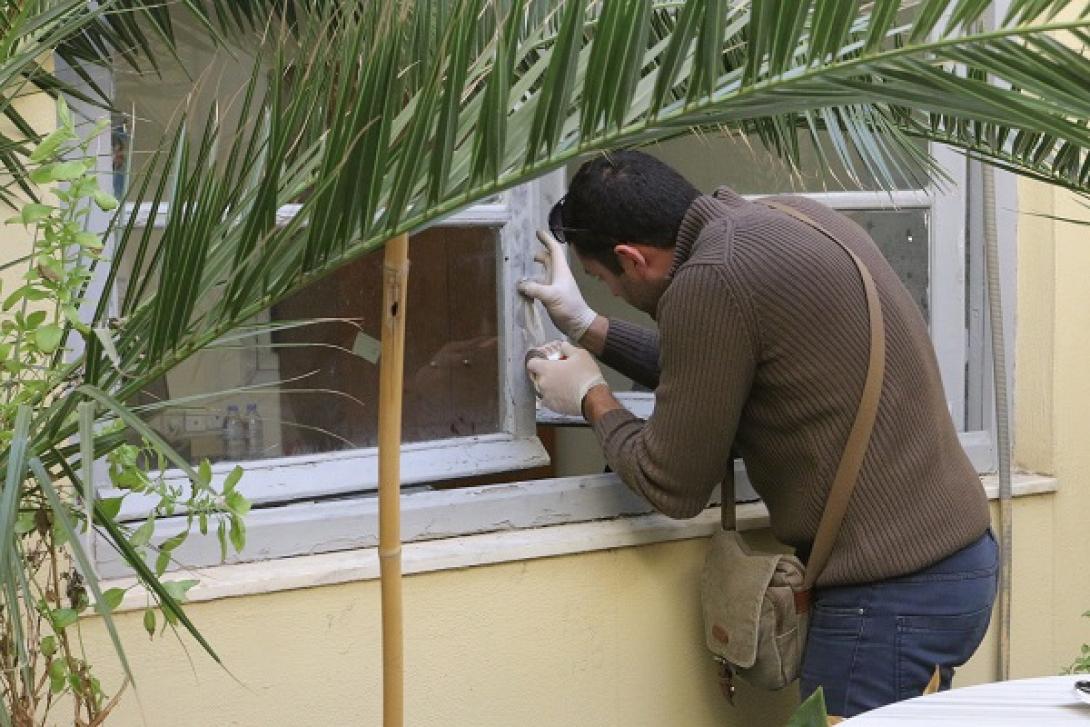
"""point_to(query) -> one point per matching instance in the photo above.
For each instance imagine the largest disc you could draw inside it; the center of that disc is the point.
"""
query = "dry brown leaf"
(933, 685)
(834, 720)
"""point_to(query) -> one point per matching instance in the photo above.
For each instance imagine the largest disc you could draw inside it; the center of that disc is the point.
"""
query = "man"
(762, 345)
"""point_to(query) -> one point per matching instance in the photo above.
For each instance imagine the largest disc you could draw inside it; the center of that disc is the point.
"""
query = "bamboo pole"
(391, 375)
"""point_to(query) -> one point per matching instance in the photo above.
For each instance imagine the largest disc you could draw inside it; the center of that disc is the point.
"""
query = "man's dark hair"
(622, 196)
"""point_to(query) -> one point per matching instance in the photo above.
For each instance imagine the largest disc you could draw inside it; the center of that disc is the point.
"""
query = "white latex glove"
(563, 384)
(559, 293)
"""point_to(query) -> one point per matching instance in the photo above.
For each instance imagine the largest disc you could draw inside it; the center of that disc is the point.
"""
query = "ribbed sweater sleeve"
(633, 351)
(677, 457)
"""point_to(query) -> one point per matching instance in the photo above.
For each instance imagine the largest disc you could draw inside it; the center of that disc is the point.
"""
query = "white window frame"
(514, 216)
(514, 446)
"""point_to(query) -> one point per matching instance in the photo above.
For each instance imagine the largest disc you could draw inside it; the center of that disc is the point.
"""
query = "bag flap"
(732, 590)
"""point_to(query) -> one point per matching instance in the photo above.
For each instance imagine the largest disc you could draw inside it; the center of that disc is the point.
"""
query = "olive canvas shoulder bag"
(756, 605)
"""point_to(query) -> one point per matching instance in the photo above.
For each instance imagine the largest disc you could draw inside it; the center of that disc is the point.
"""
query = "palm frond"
(388, 151)
(29, 32)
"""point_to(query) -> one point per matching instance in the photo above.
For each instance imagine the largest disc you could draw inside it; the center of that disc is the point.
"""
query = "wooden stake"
(395, 278)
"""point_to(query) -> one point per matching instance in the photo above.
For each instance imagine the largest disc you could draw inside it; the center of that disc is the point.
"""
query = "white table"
(1042, 702)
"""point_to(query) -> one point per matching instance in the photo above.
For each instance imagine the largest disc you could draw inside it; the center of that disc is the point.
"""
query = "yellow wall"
(607, 638)
(1051, 429)
(601, 639)
(39, 111)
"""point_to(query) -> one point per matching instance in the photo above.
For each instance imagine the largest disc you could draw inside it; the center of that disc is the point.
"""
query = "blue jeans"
(876, 643)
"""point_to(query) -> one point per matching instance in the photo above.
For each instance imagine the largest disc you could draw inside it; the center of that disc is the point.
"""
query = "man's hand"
(563, 384)
(559, 294)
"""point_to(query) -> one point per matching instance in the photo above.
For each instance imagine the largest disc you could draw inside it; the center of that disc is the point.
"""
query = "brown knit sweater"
(763, 343)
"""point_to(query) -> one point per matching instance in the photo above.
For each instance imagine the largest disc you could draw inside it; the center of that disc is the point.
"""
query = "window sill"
(1023, 484)
(244, 579)
(354, 471)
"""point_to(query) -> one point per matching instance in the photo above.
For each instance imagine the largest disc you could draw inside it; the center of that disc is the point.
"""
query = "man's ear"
(631, 258)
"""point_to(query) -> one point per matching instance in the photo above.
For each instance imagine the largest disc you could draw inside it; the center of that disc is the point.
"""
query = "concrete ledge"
(244, 579)
(1022, 484)
(361, 564)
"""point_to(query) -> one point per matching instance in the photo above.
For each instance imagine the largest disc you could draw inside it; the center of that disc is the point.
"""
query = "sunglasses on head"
(556, 223)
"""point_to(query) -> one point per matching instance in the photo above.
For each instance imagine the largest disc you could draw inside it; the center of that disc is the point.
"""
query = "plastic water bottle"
(255, 432)
(234, 435)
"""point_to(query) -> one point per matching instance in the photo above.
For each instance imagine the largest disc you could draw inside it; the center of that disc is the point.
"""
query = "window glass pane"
(320, 382)
(150, 101)
(902, 236)
(744, 165)
(327, 398)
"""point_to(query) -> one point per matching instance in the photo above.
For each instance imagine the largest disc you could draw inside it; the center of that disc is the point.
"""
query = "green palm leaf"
(29, 31)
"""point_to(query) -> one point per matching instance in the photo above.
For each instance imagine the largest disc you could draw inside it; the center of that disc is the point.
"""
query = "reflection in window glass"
(327, 396)
(902, 236)
(710, 161)
(149, 102)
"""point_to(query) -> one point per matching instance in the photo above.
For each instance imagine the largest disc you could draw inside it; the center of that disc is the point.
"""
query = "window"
(470, 412)
(309, 393)
(932, 234)
(314, 388)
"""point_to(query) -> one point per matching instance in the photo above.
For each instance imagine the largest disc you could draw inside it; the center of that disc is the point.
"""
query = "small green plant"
(812, 712)
(47, 580)
(203, 504)
(1081, 664)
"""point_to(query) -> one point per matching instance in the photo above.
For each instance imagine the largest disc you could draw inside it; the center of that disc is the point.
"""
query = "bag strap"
(727, 514)
(851, 460)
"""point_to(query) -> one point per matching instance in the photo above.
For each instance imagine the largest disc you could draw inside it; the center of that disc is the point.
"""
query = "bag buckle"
(725, 677)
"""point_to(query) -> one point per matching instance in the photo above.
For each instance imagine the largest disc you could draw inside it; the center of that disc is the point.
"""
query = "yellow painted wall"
(39, 111)
(601, 639)
(607, 638)
(1052, 429)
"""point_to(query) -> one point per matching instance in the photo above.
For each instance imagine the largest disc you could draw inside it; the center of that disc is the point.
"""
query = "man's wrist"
(581, 323)
(594, 338)
(597, 402)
